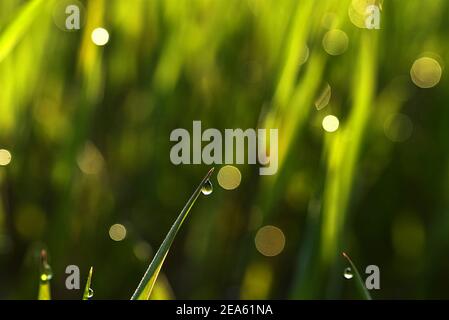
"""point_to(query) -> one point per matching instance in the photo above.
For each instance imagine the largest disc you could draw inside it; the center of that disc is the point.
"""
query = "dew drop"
(90, 294)
(46, 273)
(207, 188)
(348, 273)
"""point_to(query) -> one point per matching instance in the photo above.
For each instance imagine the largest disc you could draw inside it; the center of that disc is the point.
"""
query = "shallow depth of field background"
(88, 126)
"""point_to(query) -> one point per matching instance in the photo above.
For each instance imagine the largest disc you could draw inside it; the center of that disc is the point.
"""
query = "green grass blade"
(44, 291)
(145, 286)
(162, 289)
(18, 27)
(359, 281)
(44, 278)
(86, 295)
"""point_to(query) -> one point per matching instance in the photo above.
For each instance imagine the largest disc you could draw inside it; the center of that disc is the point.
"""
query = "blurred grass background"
(88, 129)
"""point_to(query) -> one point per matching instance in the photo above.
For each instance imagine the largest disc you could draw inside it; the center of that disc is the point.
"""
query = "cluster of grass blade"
(145, 287)
(288, 108)
(45, 277)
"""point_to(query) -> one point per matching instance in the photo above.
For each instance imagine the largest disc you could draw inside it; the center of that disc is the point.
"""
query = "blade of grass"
(359, 281)
(44, 291)
(86, 295)
(343, 149)
(18, 27)
(162, 289)
(145, 286)
(45, 276)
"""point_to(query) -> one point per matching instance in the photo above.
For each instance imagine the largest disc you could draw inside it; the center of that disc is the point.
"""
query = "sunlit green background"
(88, 126)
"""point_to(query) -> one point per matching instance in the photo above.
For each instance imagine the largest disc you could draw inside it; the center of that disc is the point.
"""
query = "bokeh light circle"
(335, 42)
(229, 177)
(270, 241)
(426, 72)
(5, 157)
(330, 123)
(398, 127)
(357, 11)
(100, 36)
(117, 232)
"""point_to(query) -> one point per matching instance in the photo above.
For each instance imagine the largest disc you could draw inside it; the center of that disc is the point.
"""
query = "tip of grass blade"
(210, 172)
(146, 284)
(44, 256)
(359, 281)
(87, 294)
(45, 276)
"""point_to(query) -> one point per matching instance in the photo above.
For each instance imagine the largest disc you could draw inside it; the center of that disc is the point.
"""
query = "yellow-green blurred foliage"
(363, 119)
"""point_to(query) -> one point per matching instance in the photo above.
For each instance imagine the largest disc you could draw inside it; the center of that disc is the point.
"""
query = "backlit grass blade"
(87, 290)
(18, 27)
(145, 286)
(162, 289)
(358, 279)
(44, 291)
(44, 278)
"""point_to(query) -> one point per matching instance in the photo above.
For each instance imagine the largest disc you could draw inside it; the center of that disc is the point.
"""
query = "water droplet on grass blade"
(348, 274)
(88, 291)
(46, 274)
(90, 295)
(46, 271)
(207, 188)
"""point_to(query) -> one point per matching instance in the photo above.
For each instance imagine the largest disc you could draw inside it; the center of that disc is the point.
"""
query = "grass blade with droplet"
(45, 276)
(145, 286)
(359, 281)
(86, 295)
(18, 27)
